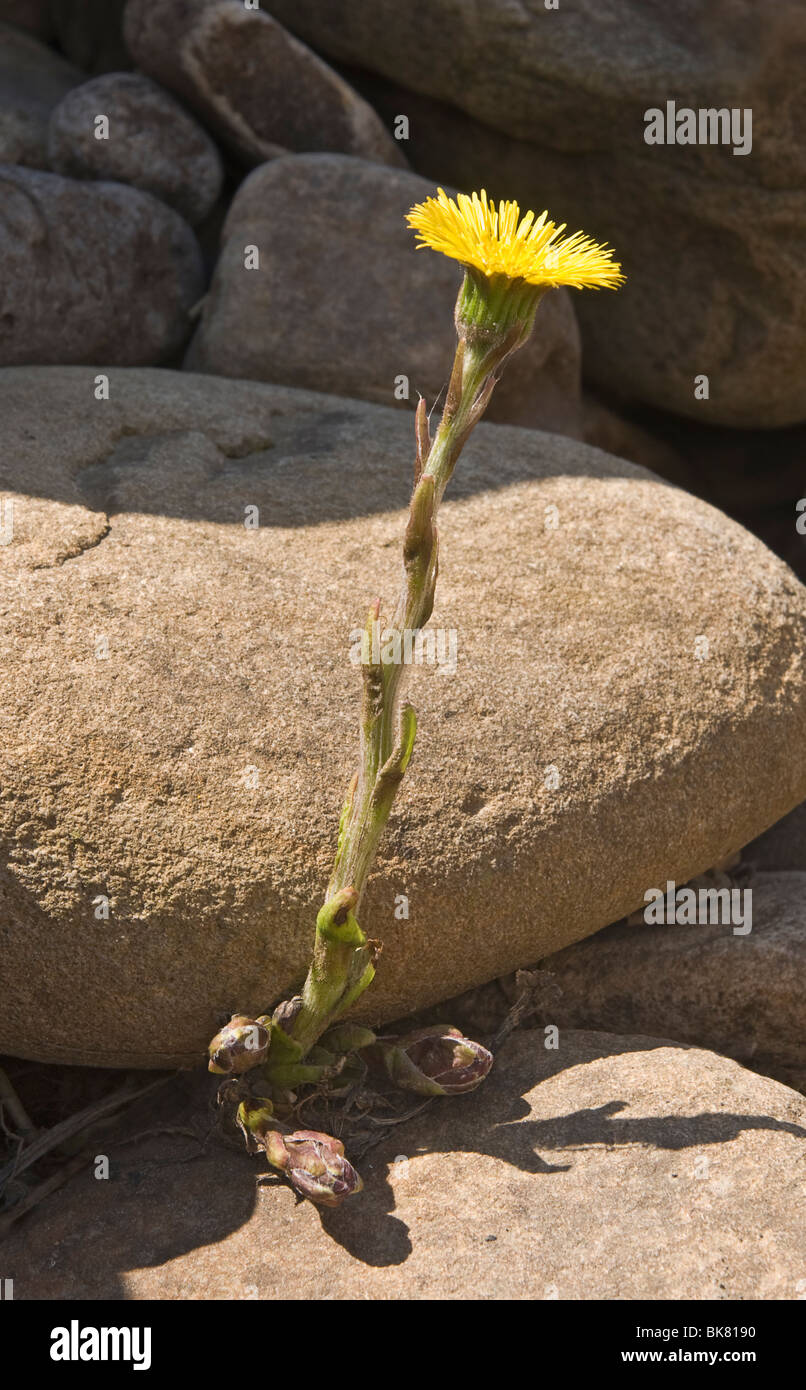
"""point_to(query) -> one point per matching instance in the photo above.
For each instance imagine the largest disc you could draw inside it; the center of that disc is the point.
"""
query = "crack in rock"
(78, 547)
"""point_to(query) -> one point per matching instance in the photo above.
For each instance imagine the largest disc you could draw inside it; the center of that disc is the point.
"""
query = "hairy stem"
(343, 961)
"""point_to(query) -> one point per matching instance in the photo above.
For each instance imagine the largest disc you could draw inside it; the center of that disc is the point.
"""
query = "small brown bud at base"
(315, 1165)
(242, 1044)
(434, 1061)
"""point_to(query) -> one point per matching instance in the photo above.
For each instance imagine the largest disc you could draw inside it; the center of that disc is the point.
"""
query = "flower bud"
(314, 1163)
(496, 310)
(242, 1044)
(435, 1061)
(254, 1117)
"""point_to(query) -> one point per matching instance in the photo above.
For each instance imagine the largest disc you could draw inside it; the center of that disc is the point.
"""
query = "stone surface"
(756, 476)
(93, 272)
(775, 529)
(606, 429)
(33, 79)
(388, 311)
(194, 775)
(33, 15)
(710, 241)
(611, 1168)
(153, 144)
(741, 995)
(260, 89)
(783, 846)
(740, 471)
(90, 32)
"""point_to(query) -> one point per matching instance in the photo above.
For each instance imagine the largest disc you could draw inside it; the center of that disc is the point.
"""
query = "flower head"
(435, 1061)
(498, 241)
(314, 1163)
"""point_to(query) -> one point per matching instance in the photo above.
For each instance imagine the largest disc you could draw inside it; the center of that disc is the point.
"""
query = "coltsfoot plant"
(274, 1061)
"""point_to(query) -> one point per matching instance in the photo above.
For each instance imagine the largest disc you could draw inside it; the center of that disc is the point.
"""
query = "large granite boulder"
(33, 80)
(150, 142)
(179, 708)
(255, 85)
(93, 272)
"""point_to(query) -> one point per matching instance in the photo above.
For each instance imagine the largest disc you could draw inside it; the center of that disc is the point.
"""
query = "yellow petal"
(498, 241)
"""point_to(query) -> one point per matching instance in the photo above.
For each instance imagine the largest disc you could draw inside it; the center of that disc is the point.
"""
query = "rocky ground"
(617, 1168)
(213, 331)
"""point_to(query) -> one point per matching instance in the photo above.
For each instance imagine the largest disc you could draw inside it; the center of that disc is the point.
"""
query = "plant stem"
(383, 731)
(343, 960)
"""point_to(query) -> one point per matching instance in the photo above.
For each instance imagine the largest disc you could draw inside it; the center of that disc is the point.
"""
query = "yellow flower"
(501, 242)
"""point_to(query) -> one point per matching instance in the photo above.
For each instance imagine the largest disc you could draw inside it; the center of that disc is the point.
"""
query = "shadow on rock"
(185, 1216)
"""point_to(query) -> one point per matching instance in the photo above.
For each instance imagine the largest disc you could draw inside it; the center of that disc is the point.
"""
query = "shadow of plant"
(170, 1195)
